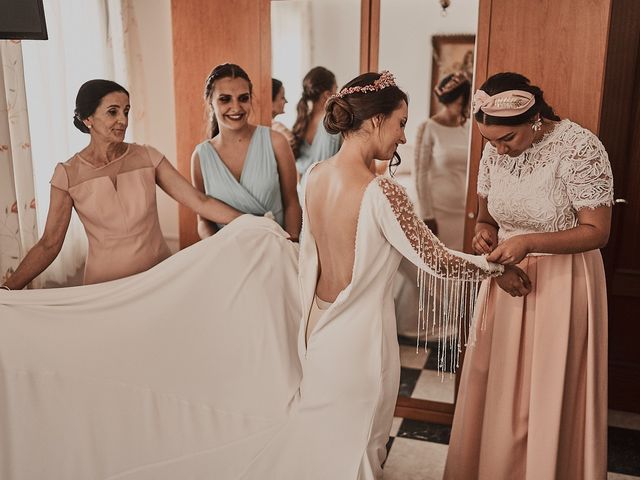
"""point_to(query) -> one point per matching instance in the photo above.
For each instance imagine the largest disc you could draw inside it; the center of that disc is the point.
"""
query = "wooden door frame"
(369, 35)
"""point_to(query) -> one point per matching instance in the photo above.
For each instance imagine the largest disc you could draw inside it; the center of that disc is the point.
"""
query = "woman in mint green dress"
(249, 167)
(312, 142)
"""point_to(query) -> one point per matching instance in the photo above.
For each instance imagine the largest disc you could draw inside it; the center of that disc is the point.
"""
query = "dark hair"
(463, 89)
(346, 114)
(224, 70)
(317, 81)
(276, 85)
(89, 97)
(501, 82)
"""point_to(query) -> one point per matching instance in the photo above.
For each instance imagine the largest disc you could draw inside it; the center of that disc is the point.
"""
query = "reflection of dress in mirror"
(246, 166)
(440, 170)
(278, 101)
(312, 141)
(440, 176)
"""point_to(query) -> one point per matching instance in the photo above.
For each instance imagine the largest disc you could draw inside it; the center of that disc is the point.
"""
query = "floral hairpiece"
(385, 80)
(453, 83)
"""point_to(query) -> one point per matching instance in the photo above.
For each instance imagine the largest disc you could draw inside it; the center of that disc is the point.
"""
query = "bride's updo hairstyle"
(346, 112)
(508, 82)
(364, 97)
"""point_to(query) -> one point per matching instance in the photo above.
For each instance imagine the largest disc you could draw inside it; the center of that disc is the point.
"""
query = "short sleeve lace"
(542, 189)
(586, 172)
(484, 180)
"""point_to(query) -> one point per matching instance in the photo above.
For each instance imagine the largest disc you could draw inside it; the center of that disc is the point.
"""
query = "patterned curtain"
(18, 226)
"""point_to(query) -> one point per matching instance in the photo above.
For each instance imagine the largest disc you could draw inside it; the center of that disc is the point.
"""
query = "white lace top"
(542, 189)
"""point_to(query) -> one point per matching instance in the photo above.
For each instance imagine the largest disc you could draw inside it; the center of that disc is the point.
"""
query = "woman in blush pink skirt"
(533, 392)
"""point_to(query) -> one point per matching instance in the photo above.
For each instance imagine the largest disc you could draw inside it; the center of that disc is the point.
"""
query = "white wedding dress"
(197, 368)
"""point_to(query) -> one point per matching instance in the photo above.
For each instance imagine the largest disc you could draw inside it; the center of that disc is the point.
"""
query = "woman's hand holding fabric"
(485, 240)
(511, 251)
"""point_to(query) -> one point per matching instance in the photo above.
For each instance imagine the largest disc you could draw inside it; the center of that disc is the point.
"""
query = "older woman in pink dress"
(533, 393)
(112, 186)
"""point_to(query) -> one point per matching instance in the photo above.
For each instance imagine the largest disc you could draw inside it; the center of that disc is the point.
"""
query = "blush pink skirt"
(533, 393)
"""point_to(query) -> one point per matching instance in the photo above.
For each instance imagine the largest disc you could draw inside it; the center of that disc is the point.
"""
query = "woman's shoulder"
(145, 151)
(577, 143)
(573, 133)
(391, 190)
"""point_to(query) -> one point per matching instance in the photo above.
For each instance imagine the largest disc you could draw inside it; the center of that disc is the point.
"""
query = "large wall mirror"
(422, 45)
(310, 33)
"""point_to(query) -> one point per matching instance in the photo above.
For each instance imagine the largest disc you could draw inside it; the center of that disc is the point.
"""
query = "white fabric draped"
(18, 229)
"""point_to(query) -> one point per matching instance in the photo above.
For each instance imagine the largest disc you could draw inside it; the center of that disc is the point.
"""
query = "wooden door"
(620, 133)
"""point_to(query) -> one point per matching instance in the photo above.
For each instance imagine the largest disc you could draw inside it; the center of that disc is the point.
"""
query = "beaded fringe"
(446, 310)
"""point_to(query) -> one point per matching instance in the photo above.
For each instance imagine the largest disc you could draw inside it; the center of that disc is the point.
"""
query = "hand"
(485, 240)
(514, 281)
(432, 225)
(511, 251)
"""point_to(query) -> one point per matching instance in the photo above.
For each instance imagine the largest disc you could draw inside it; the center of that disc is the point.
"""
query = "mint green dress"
(258, 190)
(324, 145)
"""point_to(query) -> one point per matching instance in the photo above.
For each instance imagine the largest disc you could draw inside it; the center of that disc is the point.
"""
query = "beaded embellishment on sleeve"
(448, 281)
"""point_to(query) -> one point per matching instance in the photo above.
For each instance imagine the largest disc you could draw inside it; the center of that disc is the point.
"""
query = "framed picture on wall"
(451, 53)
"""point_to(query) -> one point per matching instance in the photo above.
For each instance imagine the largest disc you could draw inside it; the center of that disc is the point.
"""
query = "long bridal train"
(139, 377)
(199, 367)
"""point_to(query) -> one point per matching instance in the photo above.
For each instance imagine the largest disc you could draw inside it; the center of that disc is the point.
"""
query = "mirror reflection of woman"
(312, 141)
(440, 170)
(249, 167)
(533, 391)
(112, 186)
(278, 101)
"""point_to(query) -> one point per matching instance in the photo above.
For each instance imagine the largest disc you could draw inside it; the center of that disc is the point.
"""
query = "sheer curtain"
(87, 39)
(18, 230)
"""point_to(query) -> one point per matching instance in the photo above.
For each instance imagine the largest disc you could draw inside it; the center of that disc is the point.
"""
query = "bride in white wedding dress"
(235, 359)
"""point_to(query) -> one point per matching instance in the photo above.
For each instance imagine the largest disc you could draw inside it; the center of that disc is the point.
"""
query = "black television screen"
(22, 20)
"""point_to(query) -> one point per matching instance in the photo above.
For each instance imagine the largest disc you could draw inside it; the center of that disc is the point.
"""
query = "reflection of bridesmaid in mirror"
(312, 142)
(278, 101)
(246, 166)
(441, 161)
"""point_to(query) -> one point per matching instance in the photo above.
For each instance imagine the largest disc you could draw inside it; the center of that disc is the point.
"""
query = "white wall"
(335, 37)
(406, 28)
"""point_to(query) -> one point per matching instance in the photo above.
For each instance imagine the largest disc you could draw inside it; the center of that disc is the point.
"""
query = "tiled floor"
(419, 376)
(417, 450)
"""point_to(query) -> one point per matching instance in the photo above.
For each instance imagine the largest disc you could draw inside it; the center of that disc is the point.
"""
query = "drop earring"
(537, 125)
